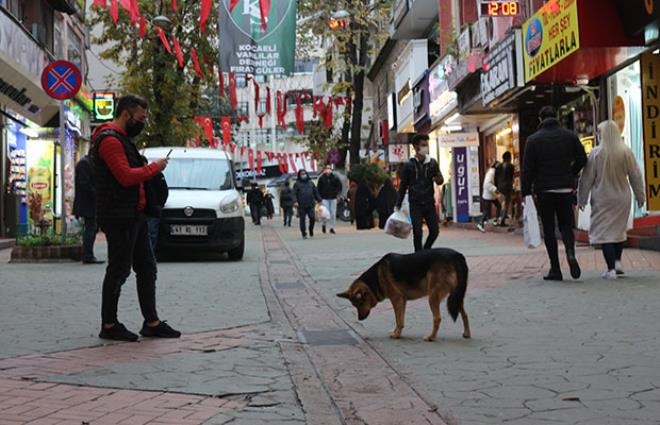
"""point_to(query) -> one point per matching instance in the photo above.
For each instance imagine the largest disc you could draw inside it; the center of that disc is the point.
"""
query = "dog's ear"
(344, 294)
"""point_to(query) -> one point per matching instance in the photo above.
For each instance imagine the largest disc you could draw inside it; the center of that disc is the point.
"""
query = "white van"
(204, 211)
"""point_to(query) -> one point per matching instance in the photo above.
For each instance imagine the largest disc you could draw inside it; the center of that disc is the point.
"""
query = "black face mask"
(134, 127)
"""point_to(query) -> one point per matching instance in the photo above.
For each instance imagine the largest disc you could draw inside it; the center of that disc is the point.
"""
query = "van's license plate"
(188, 230)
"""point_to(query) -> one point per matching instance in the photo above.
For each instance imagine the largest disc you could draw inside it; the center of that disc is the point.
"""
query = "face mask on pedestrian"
(304, 177)
(134, 127)
(423, 150)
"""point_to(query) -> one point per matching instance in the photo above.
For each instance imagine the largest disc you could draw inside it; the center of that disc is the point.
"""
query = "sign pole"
(62, 167)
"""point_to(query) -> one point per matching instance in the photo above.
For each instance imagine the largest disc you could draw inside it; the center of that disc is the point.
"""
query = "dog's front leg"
(399, 305)
(434, 303)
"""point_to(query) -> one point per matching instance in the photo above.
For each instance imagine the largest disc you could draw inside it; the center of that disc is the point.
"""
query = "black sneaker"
(574, 266)
(92, 260)
(332, 231)
(162, 330)
(311, 233)
(323, 228)
(117, 333)
(553, 275)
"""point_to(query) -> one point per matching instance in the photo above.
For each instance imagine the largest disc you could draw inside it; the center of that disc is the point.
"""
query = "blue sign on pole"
(61, 80)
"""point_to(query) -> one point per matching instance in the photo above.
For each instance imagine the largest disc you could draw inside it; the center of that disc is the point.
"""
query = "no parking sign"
(61, 80)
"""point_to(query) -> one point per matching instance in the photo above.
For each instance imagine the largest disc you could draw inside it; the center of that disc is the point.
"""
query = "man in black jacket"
(84, 207)
(306, 197)
(255, 199)
(329, 187)
(553, 160)
(417, 178)
(504, 182)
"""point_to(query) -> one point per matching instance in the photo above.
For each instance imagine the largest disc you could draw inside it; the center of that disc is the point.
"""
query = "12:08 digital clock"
(500, 8)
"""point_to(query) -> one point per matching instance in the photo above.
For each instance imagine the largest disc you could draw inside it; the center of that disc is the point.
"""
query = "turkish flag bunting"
(134, 12)
(243, 150)
(163, 39)
(143, 27)
(114, 11)
(226, 130)
(280, 165)
(261, 120)
(193, 55)
(256, 96)
(214, 143)
(264, 8)
(100, 4)
(232, 147)
(268, 100)
(280, 115)
(173, 4)
(269, 155)
(177, 50)
(260, 161)
(204, 14)
(232, 90)
(293, 163)
(251, 158)
(300, 119)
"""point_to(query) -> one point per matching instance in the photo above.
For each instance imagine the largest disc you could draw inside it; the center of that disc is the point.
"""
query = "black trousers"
(488, 204)
(90, 228)
(559, 206)
(612, 253)
(506, 207)
(306, 212)
(129, 247)
(288, 215)
(427, 213)
(255, 212)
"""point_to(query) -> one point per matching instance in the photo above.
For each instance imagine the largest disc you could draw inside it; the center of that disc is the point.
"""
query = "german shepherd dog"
(435, 273)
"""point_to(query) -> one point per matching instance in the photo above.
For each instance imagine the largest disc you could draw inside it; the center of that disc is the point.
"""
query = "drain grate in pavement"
(330, 337)
(290, 285)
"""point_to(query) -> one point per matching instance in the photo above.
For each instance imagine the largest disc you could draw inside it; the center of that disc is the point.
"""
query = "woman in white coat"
(489, 196)
(610, 172)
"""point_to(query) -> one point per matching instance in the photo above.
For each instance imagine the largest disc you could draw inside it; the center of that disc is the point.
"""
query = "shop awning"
(568, 41)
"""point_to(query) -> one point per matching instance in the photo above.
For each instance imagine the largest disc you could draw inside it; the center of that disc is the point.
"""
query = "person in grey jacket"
(306, 197)
(552, 163)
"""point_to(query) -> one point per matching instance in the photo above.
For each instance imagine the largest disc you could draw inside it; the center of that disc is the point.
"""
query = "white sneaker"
(610, 275)
(618, 267)
(481, 228)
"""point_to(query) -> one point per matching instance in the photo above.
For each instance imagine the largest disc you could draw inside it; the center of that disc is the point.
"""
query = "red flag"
(300, 119)
(226, 130)
(251, 158)
(280, 115)
(193, 55)
(261, 120)
(268, 100)
(327, 117)
(177, 50)
(134, 11)
(269, 155)
(232, 147)
(312, 162)
(243, 150)
(174, 7)
(264, 8)
(143, 27)
(232, 5)
(221, 80)
(163, 39)
(260, 161)
(114, 11)
(256, 96)
(204, 14)
(214, 143)
(280, 163)
(294, 168)
(100, 4)
(232, 90)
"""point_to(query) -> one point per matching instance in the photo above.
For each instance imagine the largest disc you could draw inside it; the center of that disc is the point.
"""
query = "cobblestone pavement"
(266, 341)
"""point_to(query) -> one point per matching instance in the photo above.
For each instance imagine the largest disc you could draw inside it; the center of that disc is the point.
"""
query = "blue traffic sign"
(61, 80)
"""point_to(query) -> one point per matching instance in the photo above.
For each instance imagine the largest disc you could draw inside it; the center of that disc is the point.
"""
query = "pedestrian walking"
(504, 173)
(120, 173)
(385, 202)
(610, 172)
(552, 162)
(329, 188)
(255, 199)
(270, 207)
(489, 197)
(417, 178)
(157, 193)
(286, 202)
(84, 208)
(352, 194)
(365, 204)
(306, 197)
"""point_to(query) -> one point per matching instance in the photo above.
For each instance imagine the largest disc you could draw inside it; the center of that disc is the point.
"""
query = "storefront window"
(578, 116)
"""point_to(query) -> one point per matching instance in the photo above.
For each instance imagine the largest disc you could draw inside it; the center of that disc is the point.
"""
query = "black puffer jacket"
(553, 159)
(417, 178)
(305, 193)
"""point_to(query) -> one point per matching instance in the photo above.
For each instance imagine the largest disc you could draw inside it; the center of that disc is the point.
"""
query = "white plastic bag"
(322, 213)
(398, 225)
(531, 229)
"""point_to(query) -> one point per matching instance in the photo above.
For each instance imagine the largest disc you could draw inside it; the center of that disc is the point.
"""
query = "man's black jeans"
(558, 205)
(306, 212)
(129, 246)
(90, 228)
(426, 212)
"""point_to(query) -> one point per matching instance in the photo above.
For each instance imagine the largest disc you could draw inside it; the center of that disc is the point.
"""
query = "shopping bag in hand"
(398, 225)
(322, 213)
(531, 230)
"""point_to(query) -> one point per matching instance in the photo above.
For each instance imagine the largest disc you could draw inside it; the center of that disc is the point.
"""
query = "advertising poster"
(550, 36)
(651, 113)
(461, 184)
(258, 36)
(40, 180)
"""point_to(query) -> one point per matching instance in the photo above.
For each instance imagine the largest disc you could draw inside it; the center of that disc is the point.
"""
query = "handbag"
(531, 229)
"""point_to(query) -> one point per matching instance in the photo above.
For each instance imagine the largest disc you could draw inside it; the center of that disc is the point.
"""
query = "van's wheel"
(236, 254)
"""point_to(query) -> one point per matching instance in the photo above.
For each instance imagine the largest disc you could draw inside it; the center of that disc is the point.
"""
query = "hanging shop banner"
(452, 140)
(461, 185)
(502, 73)
(650, 64)
(258, 37)
(398, 153)
(551, 35)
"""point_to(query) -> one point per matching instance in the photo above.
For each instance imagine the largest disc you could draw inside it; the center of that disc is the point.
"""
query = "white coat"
(610, 207)
(489, 192)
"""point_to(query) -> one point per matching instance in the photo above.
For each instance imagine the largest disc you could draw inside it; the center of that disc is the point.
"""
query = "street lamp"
(162, 22)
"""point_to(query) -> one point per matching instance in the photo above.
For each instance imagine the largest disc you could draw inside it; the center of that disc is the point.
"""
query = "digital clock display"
(500, 8)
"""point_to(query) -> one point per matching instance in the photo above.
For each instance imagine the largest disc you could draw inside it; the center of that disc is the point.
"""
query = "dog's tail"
(455, 300)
